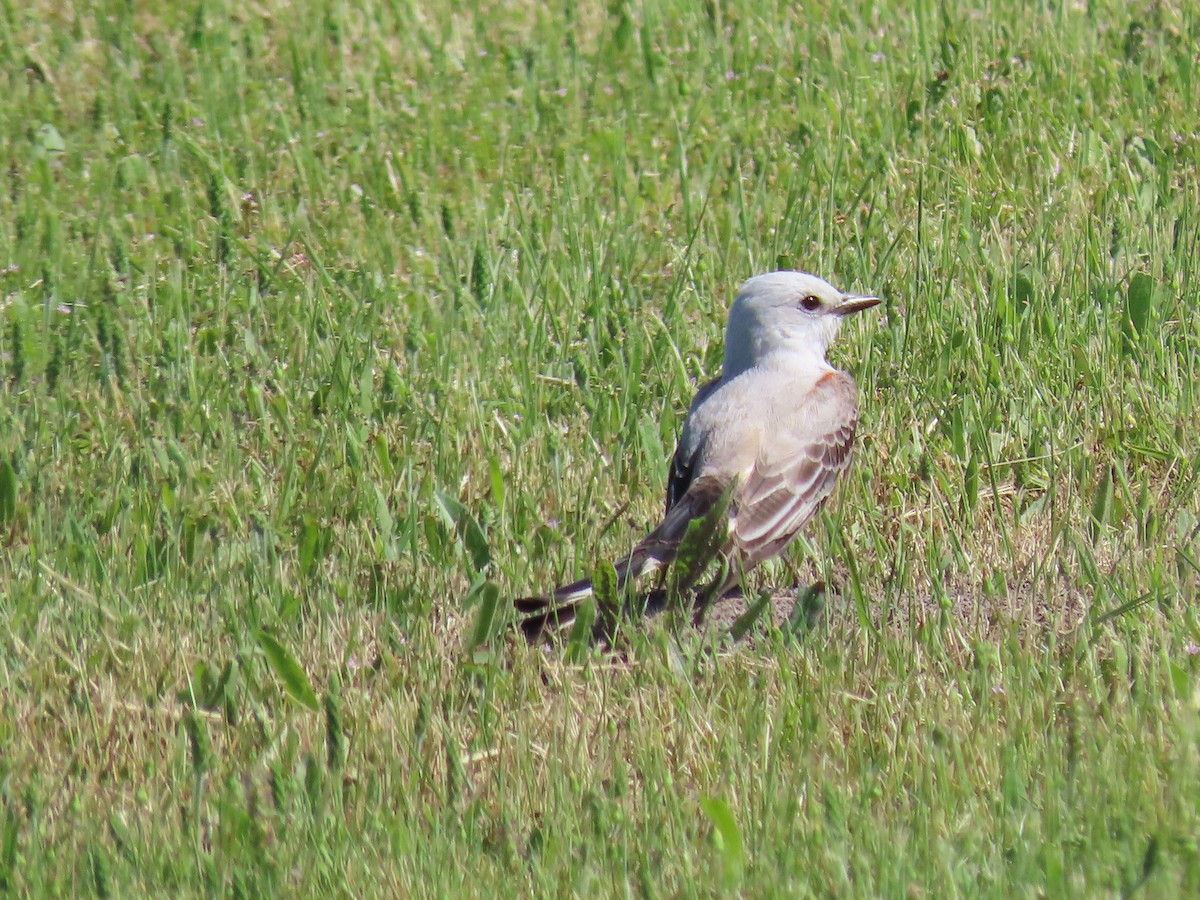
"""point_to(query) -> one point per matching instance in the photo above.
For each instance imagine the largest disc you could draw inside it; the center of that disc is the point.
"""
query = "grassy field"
(324, 325)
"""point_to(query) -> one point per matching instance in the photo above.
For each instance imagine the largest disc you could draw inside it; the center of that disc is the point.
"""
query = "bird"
(762, 447)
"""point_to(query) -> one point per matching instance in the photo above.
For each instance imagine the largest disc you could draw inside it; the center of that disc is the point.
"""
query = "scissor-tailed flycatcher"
(775, 430)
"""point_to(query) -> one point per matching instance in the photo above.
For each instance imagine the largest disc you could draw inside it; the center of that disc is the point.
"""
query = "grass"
(325, 327)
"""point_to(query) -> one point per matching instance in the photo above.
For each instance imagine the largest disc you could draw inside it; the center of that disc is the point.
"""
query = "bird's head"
(786, 312)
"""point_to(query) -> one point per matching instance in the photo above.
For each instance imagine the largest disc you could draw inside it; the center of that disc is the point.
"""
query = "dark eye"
(810, 303)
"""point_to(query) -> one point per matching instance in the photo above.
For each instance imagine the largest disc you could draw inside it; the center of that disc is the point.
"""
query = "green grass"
(325, 325)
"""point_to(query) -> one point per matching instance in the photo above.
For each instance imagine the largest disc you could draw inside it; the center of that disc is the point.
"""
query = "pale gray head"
(786, 312)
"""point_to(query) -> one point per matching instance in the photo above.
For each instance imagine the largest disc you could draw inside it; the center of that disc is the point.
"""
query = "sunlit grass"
(324, 326)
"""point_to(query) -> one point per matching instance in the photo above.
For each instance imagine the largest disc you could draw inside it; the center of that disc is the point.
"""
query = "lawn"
(327, 327)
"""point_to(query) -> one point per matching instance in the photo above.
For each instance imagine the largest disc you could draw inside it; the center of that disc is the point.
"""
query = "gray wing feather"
(683, 464)
(780, 496)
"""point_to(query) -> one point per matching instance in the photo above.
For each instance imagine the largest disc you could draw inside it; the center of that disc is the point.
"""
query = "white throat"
(755, 340)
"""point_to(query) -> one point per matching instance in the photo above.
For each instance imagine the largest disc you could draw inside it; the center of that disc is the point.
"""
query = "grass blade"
(8, 493)
(288, 670)
(728, 838)
(486, 620)
(746, 620)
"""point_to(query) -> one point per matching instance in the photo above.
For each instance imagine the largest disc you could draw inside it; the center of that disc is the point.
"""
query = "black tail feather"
(527, 606)
(539, 625)
(540, 617)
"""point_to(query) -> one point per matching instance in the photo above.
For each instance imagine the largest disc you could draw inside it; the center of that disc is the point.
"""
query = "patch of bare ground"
(967, 607)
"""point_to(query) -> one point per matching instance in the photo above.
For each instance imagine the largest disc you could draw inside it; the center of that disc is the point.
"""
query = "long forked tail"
(539, 616)
(707, 498)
